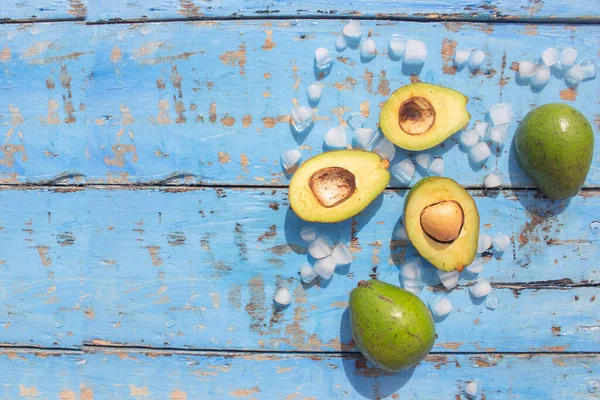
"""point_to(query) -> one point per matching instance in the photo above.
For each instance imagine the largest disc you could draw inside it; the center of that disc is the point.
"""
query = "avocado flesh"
(448, 256)
(554, 144)
(392, 327)
(420, 115)
(359, 175)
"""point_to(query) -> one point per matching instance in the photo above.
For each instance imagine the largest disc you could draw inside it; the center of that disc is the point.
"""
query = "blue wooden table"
(145, 222)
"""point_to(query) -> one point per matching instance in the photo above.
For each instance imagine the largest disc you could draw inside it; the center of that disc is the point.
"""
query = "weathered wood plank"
(274, 376)
(209, 101)
(422, 9)
(45, 70)
(198, 268)
(46, 10)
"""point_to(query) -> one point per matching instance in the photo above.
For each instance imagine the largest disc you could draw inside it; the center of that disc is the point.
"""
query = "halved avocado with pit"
(420, 115)
(442, 222)
(337, 185)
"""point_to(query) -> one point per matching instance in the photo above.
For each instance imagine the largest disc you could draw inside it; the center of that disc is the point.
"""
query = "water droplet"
(595, 227)
(593, 386)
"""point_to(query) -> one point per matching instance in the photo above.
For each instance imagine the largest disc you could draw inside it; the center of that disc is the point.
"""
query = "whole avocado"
(391, 326)
(554, 144)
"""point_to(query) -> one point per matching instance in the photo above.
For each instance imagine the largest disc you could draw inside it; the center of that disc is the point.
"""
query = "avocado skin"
(392, 327)
(554, 145)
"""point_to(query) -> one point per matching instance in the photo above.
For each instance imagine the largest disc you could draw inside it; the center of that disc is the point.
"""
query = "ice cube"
(400, 233)
(484, 243)
(491, 303)
(501, 242)
(493, 180)
(437, 166)
(501, 113)
(415, 52)
(476, 266)
(567, 57)
(341, 254)
(541, 75)
(364, 137)
(404, 170)
(480, 287)
(526, 69)
(590, 68)
(290, 160)
(355, 120)
(384, 148)
(469, 138)
(314, 93)
(336, 137)
(323, 58)
(449, 279)
(550, 56)
(368, 48)
(411, 270)
(321, 247)
(307, 274)
(325, 267)
(423, 160)
(308, 233)
(480, 152)
(396, 47)
(574, 75)
(476, 59)
(302, 118)
(412, 286)
(481, 128)
(340, 43)
(498, 134)
(352, 29)
(440, 306)
(461, 56)
(472, 390)
(282, 296)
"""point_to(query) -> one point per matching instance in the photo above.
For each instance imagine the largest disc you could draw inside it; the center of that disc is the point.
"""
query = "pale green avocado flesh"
(447, 256)
(337, 185)
(421, 115)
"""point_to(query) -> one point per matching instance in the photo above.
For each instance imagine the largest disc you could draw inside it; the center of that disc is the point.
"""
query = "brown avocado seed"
(443, 221)
(416, 116)
(332, 185)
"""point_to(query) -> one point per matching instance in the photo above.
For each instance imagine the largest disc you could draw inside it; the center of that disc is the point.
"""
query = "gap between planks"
(162, 185)
(169, 351)
(272, 16)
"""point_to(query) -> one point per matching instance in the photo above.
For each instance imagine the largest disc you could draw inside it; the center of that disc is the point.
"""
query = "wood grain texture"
(149, 106)
(104, 10)
(225, 375)
(43, 10)
(198, 269)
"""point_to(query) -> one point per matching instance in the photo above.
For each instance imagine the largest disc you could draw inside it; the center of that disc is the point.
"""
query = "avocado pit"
(443, 221)
(332, 185)
(416, 116)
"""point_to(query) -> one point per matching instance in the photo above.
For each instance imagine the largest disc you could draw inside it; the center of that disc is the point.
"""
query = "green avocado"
(337, 185)
(391, 326)
(420, 115)
(554, 144)
(442, 222)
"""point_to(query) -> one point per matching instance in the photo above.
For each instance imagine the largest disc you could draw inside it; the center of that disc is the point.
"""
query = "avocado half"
(420, 115)
(442, 222)
(337, 185)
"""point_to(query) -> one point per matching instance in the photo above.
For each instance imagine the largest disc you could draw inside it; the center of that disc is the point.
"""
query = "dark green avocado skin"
(392, 327)
(554, 144)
